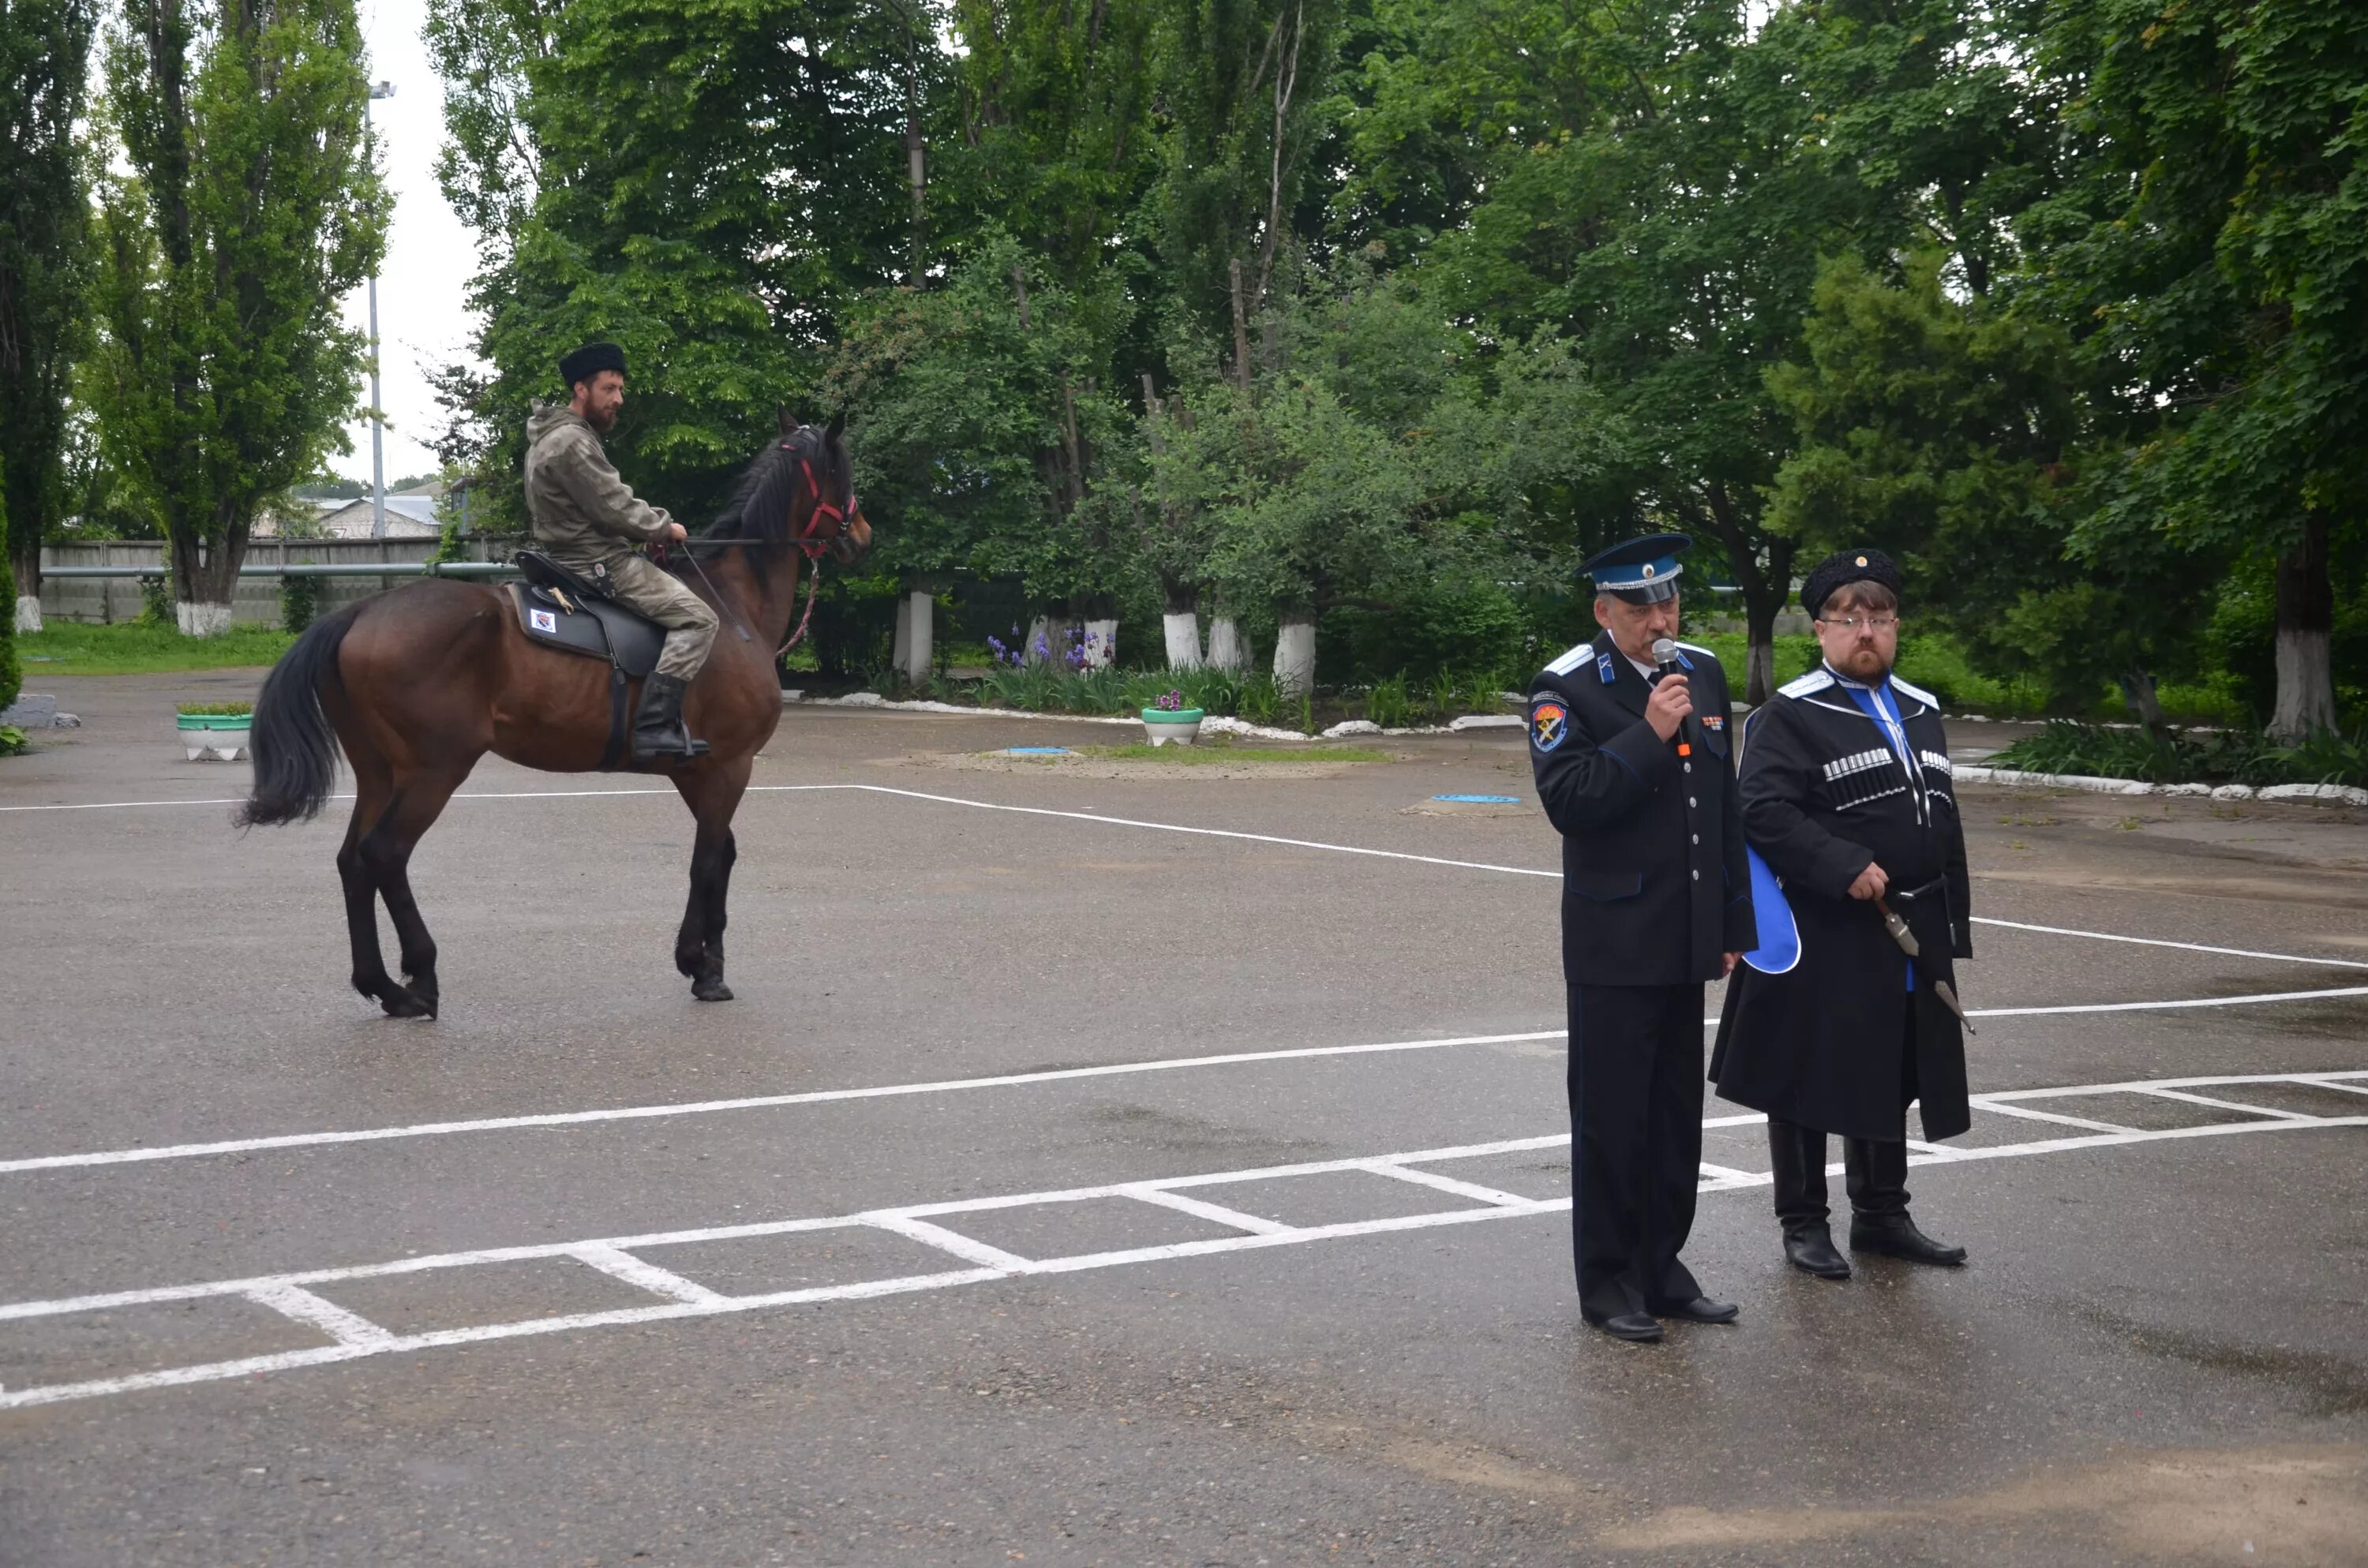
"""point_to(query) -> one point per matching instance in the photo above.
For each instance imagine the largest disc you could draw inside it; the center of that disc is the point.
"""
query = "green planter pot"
(221, 737)
(1181, 726)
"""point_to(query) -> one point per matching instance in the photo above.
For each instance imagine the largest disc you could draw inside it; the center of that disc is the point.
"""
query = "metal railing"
(312, 569)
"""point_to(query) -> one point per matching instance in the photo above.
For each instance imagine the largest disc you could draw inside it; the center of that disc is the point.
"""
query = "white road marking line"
(1727, 1172)
(904, 1220)
(1432, 1179)
(2159, 942)
(1983, 1102)
(938, 1236)
(996, 1081)
(2147, 1086)
(754, 1102)
(1254, 1224)
(641, 1273)
(349, 1329)
(2223, 1105)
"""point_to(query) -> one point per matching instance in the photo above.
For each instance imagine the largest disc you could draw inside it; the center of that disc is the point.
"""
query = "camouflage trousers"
(658, 594)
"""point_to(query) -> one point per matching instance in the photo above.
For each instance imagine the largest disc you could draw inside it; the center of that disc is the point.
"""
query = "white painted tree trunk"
(916, 635)
(2306, 685)
(1226, 649)
(1101, 644)
(28, 612)
(1294, 658)
(1183, 641)
(1041, 649)
(202, 620)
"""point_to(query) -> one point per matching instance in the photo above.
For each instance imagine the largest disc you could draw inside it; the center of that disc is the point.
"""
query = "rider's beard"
(601, 419)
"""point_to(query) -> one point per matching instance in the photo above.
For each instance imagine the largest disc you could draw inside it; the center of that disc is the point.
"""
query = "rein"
(805, 543)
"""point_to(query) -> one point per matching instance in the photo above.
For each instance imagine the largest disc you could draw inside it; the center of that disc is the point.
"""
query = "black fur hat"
(1845, 566)
(590, 360)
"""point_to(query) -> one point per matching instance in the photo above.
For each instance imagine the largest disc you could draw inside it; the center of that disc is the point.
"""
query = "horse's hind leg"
(373, 783)
(712, 794)
(417, 799)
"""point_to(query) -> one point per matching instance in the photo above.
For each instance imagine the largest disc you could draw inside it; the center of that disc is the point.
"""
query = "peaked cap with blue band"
(590, 360)
(1643, 571)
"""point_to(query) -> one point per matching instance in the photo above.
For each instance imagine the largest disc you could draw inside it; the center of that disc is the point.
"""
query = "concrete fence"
(256, 599)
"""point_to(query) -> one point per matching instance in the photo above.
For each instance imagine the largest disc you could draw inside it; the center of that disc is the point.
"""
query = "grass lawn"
(1211, 751)
(71, 648)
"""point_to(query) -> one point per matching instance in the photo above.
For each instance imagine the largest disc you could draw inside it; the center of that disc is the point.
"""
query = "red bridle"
(813, 547)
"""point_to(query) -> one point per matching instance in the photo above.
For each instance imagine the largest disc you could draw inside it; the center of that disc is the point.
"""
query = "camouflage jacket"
(579, 509)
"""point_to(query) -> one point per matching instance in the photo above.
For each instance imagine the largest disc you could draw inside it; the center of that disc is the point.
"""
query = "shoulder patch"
(1572, 659)
(1549, 723)
(1917, 692)
(1815, 680)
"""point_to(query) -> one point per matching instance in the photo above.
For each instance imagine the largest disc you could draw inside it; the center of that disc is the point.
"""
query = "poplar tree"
(44, 63)
(250, 207)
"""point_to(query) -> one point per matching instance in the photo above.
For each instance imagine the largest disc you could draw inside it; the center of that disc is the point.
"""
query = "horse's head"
(831, 513)
(800, 492)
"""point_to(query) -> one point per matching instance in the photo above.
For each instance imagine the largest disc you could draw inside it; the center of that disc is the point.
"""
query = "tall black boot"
(1797, 1160)
(1879, 1218)
(658, 729)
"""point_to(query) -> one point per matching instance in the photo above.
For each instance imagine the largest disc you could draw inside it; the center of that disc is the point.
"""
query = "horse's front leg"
(699, 945)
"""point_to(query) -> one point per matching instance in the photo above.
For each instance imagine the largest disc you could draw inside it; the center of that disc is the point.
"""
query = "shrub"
(215, 710)
(299, 602)
(12, 740)
(2231, 756)
(11, 675)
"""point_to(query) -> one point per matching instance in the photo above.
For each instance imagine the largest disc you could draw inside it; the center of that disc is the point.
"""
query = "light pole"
(378, 419)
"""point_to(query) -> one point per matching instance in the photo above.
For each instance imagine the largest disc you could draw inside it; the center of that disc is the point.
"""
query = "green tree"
(249, 210)
(2215, 261)
(44, 65)
(11, 673)
(710, 186)
(1948, 432)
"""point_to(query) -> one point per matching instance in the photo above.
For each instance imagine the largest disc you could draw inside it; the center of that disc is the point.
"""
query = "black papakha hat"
(590, 360)
(1643, 571)
(1843, 567)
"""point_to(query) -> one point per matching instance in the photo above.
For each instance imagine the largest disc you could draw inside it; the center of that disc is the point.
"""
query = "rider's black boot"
(658, 729)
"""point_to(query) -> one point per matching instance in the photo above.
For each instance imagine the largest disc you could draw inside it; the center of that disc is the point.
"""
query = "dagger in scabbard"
(1897, 925)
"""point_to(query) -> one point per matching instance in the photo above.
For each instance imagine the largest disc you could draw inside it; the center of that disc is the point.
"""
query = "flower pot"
(220, 736)
(1181, 725)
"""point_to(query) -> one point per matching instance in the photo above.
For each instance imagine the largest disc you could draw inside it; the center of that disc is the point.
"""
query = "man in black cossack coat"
(1630, 752)
(1830, 1027)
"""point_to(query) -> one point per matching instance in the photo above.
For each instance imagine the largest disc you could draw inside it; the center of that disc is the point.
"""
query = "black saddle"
(559, 608)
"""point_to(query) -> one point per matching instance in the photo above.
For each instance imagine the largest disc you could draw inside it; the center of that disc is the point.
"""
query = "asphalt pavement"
(1115, 1164)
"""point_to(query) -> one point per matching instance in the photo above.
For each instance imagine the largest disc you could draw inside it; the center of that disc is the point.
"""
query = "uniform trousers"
(1635, 1158)
(643, 584)
(1874, 1170)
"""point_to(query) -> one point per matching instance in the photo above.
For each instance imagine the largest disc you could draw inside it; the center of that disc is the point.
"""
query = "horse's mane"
(758, 510)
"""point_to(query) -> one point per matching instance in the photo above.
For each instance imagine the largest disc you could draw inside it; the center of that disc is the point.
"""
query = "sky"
(422, 318)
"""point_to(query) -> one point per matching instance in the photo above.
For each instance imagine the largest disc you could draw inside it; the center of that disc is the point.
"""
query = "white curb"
(2334, 794)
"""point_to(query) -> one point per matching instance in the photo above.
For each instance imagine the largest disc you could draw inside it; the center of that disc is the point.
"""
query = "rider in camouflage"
(588, 519)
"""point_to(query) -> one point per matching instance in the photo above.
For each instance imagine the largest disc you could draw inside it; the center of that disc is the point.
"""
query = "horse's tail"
(295, 750)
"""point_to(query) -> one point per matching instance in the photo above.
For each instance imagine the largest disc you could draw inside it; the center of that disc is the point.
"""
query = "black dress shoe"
(1625, 1325)
(1897, 1236)
(1812, 1252)
(1701, 1308)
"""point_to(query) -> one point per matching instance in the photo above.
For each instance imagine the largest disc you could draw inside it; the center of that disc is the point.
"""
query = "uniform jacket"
(580, 510)
(1826, 791)
(1655, 885)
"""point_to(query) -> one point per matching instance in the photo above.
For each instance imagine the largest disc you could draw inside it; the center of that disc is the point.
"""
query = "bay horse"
(418, 683)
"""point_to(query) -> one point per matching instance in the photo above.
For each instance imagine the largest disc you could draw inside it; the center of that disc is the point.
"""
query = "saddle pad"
(591, 629)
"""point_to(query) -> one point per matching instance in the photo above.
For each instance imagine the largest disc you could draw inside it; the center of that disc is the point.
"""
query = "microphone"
(1665, 654)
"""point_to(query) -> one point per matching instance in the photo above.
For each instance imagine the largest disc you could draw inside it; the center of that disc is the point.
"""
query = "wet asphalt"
(2159, 1353)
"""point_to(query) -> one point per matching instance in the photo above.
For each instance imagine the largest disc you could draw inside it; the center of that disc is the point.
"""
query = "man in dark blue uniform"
(1631, 754)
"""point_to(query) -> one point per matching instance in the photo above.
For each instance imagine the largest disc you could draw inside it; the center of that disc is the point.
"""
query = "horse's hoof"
(711, 988)
(402, 1004)
(685, 964)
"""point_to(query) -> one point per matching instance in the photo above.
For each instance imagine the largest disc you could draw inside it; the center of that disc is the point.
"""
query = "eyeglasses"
(1852, 622)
